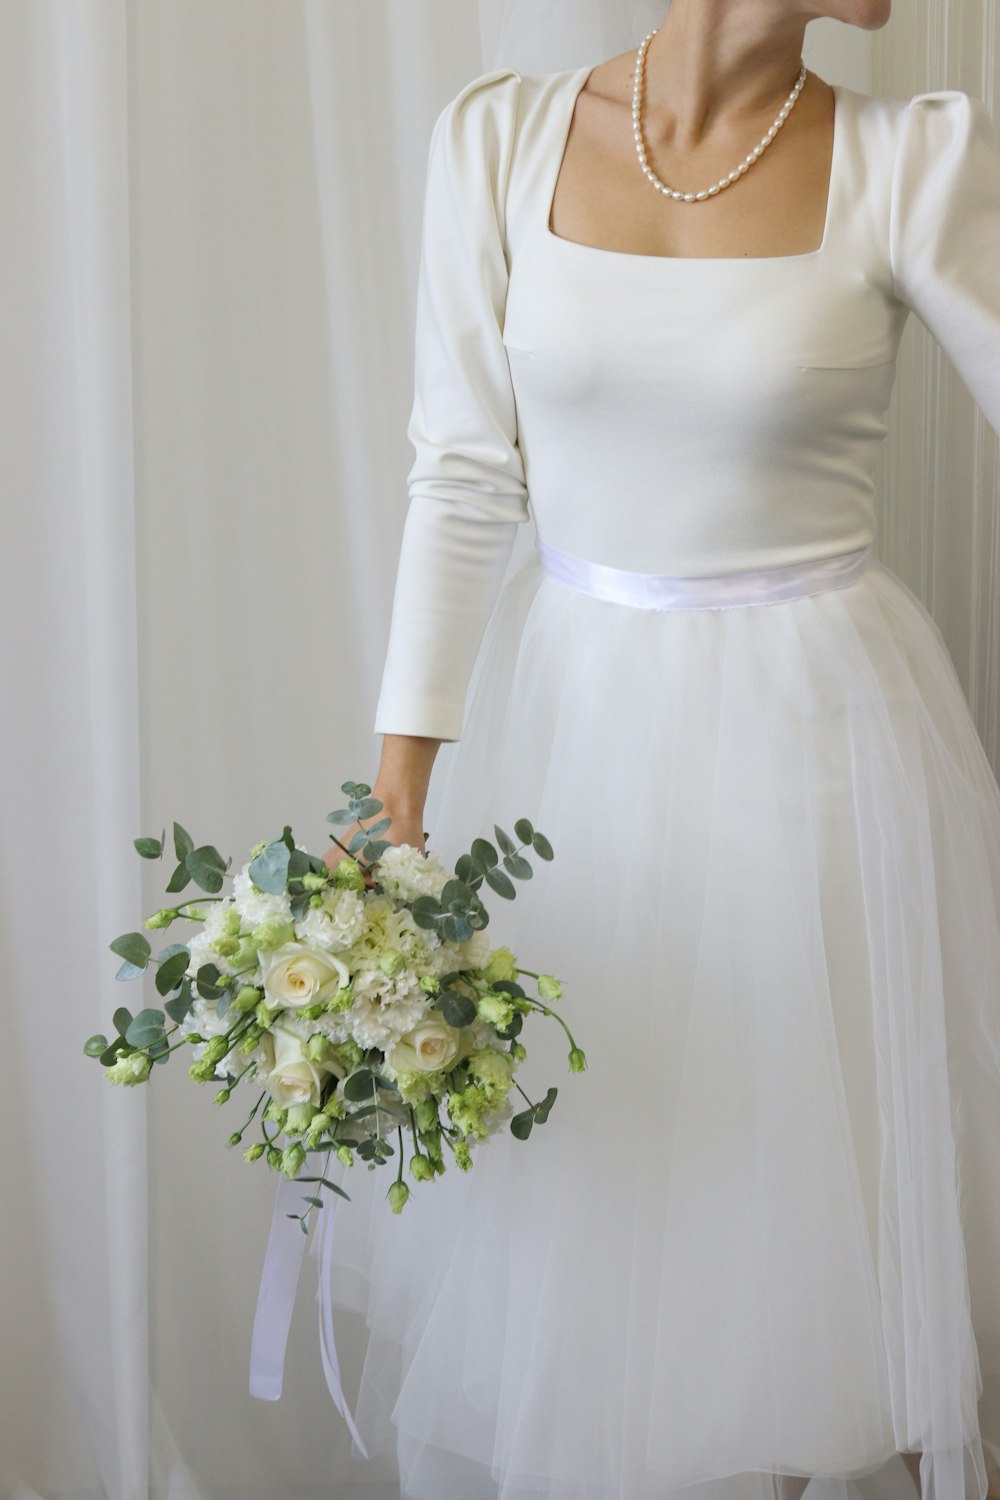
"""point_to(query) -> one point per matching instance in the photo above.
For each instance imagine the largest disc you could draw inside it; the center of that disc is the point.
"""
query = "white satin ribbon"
(719, 591)
(276, 1299)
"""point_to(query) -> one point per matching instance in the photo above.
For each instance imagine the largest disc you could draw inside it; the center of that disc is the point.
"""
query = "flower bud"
(129, 1068)
(247, 997)
(317, 1047)
(549, 987)
(245, 956)
(316, 901)
(274, 1158)
(420, 1168)
(272, 932)
(496, 1008)
(346, 1155)
(253, 1152)
(518, 1051)
(319, 1124)
(225, 946)
(577, 1060)
(397, 1196)
(161, 918)
(291, 1160)
(298, 1118)
(430, 982)
(313, 1012)
(463, 1156)
(391, 961)
(216, 1049)
(313, 880)
(266, 1013)
(348, 875)
(221, 1098)
(202, 1070)
(234, 1139)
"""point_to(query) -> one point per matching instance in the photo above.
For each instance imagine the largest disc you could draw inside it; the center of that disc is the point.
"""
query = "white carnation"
(253, 905)
(406, 873)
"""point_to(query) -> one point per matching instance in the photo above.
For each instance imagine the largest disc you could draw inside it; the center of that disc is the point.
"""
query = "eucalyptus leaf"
(359, 1085)
(458, 1010)
(542, 1108)
(455, 929)
(342, 815)
(517, 865)
(269, 870)
(541, 846)
(484, 856)
(521, 1124)
(148, 848)
(524, 830)
(132, 946)
(206, 867)
(122, 1019)
(367, 807)
(179, 879)
(171, 970)
(129, 971)
(95, 1045)
(507, 844)
(183, 842)
(499, 882)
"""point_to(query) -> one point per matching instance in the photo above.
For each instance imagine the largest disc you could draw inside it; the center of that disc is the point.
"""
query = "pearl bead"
(723, 182)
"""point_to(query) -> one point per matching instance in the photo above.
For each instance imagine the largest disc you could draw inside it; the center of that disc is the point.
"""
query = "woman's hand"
(406, 828)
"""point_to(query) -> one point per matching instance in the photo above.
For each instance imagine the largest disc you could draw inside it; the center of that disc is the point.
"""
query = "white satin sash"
(719, 591)
(276, 1299)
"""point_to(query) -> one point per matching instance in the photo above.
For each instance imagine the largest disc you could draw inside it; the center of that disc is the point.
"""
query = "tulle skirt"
(759, 1237)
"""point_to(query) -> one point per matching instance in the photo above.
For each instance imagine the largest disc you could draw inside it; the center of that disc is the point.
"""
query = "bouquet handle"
(276, 1300)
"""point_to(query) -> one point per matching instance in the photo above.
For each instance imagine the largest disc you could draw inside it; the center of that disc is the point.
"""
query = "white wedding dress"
(760, 1235)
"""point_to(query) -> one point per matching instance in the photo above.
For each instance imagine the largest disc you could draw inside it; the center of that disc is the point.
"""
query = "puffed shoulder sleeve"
(466, 488)
(944, 237)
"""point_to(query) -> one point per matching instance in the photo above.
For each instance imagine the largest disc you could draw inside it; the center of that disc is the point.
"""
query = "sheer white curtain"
(211, 214)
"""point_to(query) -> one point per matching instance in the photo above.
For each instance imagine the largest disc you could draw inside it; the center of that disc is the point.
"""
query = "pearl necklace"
(733, 176)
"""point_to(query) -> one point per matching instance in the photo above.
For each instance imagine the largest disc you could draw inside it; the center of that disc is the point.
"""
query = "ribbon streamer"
(276, 1298)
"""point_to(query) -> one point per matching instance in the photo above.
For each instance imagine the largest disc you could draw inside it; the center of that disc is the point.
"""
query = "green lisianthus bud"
(577, 1060)
(317, 1047)
(429, 982)
(502, 965)
(319, 1124)
(194, 1038)
(216, 1049)
(291, 1160)
(225, 945)
(247, 997)
(463, 1156)
(420, 1167)
(298, 1118)
(549, 987)
(161, 918)
(254, 1152)
(346, 1155)
(245, 956)
(222, 1096)
(313, 880)
(128, 1068)
(249, 1042)
(316, 901)
(266, 1013)
(231, 921)
(426, 1114)
(348, 875)
(272, 932)
(391, 961)
(335, 1107)
(397, 1196)
(313, 1012)
(274, 1158)
(518, 1051)
(234, 1139)
(341, 999)
(345, 1055)
(275, 1113)
(202, 1070)
(496, 1008)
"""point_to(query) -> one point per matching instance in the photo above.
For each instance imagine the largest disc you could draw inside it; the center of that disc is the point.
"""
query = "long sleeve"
(467, 490)
(944, 240)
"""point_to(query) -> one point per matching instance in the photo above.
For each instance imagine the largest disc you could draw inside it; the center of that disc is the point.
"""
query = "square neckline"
(712, 260)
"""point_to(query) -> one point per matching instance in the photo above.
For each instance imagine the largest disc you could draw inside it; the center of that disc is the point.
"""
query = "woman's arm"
(944, 239)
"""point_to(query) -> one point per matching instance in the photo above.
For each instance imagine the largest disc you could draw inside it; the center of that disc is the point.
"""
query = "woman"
(755, 1246)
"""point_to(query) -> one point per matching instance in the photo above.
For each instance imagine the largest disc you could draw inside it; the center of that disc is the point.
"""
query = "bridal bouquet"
(361, 1010)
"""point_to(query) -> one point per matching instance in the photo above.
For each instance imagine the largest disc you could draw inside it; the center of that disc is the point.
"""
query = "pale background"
(210, 230)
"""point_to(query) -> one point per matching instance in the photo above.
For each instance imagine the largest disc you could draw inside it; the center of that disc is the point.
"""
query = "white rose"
(428, 1046)
(293, 1078)
(296, 975)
